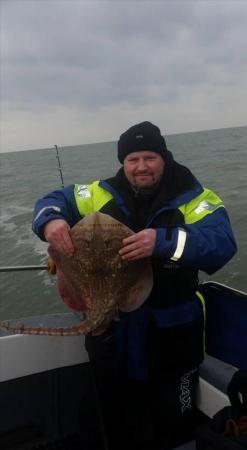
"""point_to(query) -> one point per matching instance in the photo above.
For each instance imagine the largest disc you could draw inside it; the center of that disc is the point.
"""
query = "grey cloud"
(95, 55)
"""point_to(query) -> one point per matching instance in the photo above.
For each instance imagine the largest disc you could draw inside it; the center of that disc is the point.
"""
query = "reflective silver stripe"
(180, 245)
(54, 208)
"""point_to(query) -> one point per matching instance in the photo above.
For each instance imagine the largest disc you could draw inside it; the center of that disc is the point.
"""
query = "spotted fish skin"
(95, 280)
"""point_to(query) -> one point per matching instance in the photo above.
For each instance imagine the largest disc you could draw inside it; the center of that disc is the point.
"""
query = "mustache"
(143, 172)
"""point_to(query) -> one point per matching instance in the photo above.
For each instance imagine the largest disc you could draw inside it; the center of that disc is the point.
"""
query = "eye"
(112, 244)
(132, 160)
(86, 243)
(107, 243)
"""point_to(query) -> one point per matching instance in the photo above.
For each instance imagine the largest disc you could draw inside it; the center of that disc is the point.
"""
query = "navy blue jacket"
(193, 233)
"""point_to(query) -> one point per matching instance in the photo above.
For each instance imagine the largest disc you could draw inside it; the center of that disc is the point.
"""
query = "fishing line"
(59, 165)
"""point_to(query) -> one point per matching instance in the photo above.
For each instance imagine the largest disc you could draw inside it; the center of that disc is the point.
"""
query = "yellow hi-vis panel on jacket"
(204, 204)
(90, 197)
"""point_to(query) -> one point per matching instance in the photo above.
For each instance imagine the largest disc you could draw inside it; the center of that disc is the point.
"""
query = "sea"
(218, 158)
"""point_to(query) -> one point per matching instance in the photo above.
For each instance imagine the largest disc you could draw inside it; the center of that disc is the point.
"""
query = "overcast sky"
(77, 72)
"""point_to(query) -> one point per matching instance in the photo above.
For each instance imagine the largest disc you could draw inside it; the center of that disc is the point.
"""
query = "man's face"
(143, 169)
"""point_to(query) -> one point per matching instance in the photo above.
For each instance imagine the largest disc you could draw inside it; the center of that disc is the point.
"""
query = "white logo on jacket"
(186, 390)
(82, 191)
(206, 206)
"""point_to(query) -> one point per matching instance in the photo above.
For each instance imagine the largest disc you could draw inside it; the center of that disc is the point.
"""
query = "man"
(149, 359)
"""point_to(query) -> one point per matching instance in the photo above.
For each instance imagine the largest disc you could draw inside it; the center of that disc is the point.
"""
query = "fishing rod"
(23, 268)
(59, 165)
(52, 270)
(37, 267)
(50, 267)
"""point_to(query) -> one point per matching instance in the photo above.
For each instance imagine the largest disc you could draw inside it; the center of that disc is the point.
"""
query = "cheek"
(128, 173)
(158, 171)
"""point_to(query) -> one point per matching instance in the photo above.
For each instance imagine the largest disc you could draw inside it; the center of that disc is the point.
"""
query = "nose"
(141, 164)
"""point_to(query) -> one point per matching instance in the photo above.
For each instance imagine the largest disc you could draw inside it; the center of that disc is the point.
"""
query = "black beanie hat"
(140, 137)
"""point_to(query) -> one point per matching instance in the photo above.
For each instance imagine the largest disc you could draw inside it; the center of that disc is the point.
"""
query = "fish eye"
(86, 243)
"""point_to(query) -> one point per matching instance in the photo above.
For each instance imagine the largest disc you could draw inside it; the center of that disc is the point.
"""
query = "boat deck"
(47, 395)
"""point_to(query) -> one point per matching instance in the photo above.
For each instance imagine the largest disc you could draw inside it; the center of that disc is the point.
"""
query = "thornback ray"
(95, 279)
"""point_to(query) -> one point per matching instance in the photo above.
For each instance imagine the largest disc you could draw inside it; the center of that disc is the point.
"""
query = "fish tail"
(46, 331)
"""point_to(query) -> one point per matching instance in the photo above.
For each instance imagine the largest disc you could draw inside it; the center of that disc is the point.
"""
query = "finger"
(67, 245)
(130, 251)
(127, 248)
(62, 242)
(135, 254)
(68, 242)
(129, 240)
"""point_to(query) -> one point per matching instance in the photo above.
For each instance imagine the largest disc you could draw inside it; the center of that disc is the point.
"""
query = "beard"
(145, 190)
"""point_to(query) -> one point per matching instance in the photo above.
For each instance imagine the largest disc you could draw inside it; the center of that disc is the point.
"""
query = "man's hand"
(56, 233)
(139, 245)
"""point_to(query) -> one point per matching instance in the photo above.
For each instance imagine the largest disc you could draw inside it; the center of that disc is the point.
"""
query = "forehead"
(143, 154)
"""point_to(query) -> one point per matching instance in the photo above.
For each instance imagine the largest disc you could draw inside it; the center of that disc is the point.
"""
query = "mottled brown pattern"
(95, 279)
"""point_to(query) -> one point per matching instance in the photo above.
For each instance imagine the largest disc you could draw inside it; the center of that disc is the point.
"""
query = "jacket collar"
(177, 186)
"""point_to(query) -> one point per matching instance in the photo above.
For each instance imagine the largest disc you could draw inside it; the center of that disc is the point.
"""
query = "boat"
(48, 396)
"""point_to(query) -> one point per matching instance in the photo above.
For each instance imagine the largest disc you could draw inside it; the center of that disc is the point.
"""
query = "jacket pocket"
(176, 337)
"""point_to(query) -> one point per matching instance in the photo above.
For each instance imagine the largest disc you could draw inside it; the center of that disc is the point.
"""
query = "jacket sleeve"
(205, 241)
(209, 243)
(59, 204)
